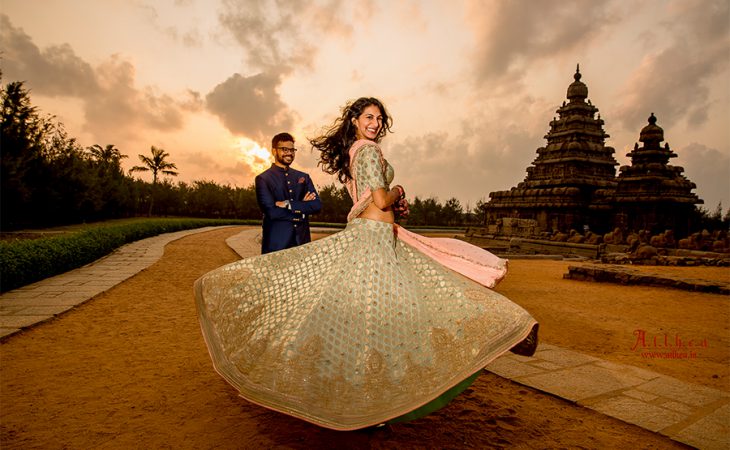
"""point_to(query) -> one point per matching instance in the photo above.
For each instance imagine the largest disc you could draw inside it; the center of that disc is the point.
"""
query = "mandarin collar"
(282, 170)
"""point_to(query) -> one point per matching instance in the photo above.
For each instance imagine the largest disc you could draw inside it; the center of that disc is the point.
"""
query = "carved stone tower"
(652, 194)
(558, 189)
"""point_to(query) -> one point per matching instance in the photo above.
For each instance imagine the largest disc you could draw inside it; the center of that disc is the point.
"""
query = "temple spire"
(652, 193)
(577, 91)
(560, 183)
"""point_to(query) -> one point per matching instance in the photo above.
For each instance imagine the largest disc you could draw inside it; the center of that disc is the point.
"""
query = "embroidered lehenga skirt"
(351, 330)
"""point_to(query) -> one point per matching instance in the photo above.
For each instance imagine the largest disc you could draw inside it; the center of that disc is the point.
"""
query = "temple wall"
(541, 247)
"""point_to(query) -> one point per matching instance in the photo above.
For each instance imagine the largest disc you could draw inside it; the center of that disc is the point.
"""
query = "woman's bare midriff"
(372, 212)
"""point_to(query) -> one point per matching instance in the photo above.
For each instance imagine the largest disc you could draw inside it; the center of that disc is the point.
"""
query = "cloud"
(114, 107)
(275, 37)
(481, 157)
(422, 163)
(487, 150)
(191, 38)
(329, 18)
(270, 34)
(54, 71)
(194, 102)
(200, 162)
(709, 169)
(511, 35)
(283, 35)
(251, 106)
(675, 82)
(121, 105)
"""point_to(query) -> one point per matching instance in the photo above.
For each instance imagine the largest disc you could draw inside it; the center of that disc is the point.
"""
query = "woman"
(370, 324)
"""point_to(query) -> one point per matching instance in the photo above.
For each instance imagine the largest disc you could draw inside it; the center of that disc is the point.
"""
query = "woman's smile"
(369, 123)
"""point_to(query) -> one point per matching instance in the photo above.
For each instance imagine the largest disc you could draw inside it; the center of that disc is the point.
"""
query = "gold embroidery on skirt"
(477, 295)
(312, 331)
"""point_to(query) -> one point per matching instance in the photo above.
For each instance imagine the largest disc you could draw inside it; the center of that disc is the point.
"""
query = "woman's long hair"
(335, 143)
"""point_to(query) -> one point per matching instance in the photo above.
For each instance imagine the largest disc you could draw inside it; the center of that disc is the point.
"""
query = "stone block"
(631, 370)
(44, 310)
(710, 432)
(676, 406)
(4, 332)
(21, 321)
(510, 368)
(546, 365)
(565, 358)
(679, 391)
(580, 383)
(643, 396)
(631, 410)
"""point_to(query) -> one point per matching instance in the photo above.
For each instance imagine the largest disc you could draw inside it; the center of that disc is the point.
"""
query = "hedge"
(25, 261)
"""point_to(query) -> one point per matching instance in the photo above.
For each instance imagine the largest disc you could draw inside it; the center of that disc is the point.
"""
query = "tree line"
(47, 178)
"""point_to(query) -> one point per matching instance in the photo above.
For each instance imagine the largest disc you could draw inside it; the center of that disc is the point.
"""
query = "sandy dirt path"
(605, 320)
(129, 369)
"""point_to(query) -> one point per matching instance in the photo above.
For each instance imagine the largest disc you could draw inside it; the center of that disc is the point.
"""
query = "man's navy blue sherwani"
(284, 227)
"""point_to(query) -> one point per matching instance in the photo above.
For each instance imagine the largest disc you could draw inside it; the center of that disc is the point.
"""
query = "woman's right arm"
(369, 174)
(385, 199)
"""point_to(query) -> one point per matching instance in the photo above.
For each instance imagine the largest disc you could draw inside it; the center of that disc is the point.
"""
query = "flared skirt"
(351, 330)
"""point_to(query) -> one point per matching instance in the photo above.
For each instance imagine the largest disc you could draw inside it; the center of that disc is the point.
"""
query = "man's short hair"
(281, 137)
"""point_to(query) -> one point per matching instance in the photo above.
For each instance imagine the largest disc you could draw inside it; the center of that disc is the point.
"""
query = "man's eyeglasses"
(287, 150)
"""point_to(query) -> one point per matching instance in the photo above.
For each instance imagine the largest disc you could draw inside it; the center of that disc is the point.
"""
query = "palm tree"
(107, 158)
(156, 164)
(109, 154)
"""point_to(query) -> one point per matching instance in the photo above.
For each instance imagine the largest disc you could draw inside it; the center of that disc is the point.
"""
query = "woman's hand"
(401, 192)
(401, 209)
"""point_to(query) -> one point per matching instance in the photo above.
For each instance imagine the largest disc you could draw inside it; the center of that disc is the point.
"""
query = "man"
(286, 197)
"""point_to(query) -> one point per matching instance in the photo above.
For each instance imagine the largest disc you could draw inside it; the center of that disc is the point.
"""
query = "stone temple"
(572, 183)
(651, 194)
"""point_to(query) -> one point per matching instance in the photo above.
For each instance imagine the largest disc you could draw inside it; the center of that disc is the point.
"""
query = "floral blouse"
(369, 170)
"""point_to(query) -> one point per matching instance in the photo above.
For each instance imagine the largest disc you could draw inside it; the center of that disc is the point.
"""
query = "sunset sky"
(472, 85)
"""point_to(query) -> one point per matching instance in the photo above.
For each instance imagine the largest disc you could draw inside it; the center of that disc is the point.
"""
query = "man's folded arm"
(267, 203)
(310, 206)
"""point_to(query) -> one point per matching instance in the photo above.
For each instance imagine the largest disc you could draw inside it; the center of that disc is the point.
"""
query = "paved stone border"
(247, 243)
(695, 415)
(626, 275)
(45, 299)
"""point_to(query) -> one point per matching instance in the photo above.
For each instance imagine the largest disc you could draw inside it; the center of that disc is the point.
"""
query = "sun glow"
(252, 155)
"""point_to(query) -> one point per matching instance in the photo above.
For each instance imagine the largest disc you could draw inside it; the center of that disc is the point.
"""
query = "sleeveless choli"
(360, 327)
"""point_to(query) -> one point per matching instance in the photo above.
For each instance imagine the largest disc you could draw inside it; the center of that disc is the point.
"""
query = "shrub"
(27, 261)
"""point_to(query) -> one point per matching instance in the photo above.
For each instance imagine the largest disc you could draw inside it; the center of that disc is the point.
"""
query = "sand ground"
(129, 369)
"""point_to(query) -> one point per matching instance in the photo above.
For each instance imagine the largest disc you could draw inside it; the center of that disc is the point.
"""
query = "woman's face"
(369, 123)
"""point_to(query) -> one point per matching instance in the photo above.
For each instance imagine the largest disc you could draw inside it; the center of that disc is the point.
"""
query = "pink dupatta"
(469, 260)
